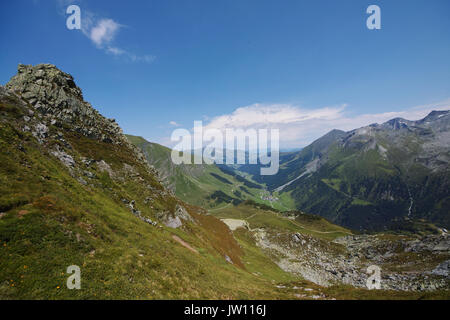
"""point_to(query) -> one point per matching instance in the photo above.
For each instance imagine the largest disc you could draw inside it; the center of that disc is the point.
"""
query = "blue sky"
(303, 66)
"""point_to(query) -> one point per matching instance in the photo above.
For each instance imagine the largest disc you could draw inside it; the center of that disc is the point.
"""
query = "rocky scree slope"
(329, 255)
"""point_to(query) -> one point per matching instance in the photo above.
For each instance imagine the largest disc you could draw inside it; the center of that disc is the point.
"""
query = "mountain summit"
(54, 94)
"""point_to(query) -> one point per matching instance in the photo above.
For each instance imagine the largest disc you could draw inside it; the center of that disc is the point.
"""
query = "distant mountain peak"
(336, 132)
(397, 123)
(434, 115)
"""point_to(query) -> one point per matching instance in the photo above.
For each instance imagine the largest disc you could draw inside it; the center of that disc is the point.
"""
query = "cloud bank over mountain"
(300, 126)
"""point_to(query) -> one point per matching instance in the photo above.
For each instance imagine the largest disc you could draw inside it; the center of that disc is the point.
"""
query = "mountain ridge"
(399, 159)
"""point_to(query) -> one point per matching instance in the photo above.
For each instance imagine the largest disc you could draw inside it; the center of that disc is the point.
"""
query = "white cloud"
(118, 52)
(299, 126)
(267, 115)
(173, 123)
(115, 51)
(104, 31)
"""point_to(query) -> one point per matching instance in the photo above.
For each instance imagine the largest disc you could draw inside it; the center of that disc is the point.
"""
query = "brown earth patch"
(184, 244)
(22, 213)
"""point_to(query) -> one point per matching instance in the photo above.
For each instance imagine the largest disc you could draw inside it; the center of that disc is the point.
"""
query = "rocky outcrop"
(443, 269)
(59, 102)
(315, 260)
(53, 93)
(175, 219)
(65, 158)
(131, 204)
(54, 100)
(406, 264)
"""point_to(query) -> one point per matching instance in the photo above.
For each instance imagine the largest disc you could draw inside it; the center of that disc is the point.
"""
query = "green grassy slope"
(260, 216)
(205, 185)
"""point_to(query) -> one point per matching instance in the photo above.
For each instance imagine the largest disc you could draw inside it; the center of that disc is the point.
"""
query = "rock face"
(406, 264)
(59, 102)
(443, 269)
(175, 220)
(64, 158)
(311, 258)
(55, 96)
